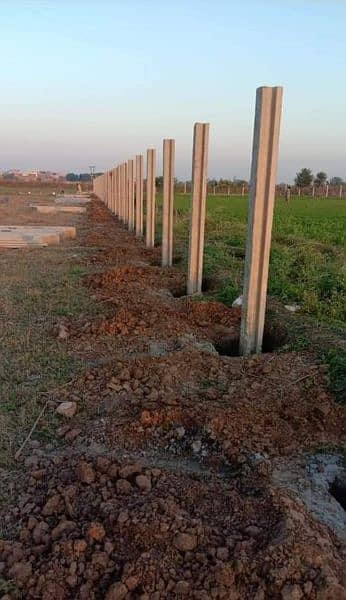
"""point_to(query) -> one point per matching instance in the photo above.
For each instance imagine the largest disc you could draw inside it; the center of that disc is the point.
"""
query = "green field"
(307, 264)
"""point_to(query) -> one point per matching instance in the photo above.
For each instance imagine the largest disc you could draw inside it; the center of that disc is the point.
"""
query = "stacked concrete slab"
(20, 236)
(53, 209)
(72, 199)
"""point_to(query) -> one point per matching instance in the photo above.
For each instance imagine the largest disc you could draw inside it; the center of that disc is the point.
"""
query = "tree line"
(305, 178)
(80, 176)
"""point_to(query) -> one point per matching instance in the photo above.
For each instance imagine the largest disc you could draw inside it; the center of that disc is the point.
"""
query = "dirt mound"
(150, 276)
(273, 404)
(99, 528)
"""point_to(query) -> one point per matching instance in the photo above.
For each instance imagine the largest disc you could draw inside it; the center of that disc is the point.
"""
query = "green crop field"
(307, 264)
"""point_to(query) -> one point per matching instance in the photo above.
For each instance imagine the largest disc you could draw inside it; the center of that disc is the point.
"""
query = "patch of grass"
(307, 263)
(9, 587)
(37, 287)
(336, 361)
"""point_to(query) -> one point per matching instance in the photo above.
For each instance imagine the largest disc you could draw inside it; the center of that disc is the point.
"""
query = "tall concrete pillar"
(150, 221)
(168, 202)
(118, 191)
(115, 192)
(139, 195)
(112, 191)
(122, 191)
(131, 195)
(104, 188)
(197, 207)
(126, 195)
(265, 151)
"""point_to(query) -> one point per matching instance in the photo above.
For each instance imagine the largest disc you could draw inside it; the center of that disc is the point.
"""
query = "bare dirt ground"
(184, 472)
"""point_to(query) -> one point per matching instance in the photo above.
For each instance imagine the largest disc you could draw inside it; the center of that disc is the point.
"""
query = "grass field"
(307, 263)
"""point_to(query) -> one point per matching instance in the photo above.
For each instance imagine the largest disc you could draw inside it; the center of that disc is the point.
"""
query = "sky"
(96, 82)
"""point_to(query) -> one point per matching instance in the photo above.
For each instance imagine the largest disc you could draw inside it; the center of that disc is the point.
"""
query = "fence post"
(340, 192)
(313, 191)
(261, 208)
(185, 187)
(327, 190)
(123, 190)
(243, 190)
(150, 222)
(139, 195)
(197, 207)
(168, 202)
(130, 195)
(126, 189)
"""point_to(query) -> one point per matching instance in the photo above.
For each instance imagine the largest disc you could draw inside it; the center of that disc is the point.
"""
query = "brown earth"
(162, 485)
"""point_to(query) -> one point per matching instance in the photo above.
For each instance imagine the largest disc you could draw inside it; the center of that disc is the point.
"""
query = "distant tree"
(240, 181)
(321, 178)
(304, 178)
(159, 181)
(336, 181)
(84, 177)
(72, 177)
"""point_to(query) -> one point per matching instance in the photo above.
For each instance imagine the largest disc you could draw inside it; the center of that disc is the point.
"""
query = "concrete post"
(110, 191)
(313, 191)
(115, 191)
(168, 202)
(327, 190)
(139, 195)
(119, 189)
(131, 196)
(104, 188)
(197, 207)
(122, 191)
(185, 187)
(228, 191)
(126, 195)
(214, 190)
(299, 191)
(243, 190)
(340, 192)
(261, 208)
(150, 224)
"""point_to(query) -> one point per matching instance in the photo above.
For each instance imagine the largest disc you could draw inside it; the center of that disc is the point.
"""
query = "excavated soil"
(162, 484)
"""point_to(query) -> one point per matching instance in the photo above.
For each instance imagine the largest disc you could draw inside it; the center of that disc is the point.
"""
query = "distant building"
(32, 176)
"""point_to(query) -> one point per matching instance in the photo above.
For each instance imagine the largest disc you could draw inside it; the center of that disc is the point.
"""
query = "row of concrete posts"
(122, 191)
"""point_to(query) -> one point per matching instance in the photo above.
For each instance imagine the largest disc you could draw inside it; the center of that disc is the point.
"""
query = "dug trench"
(170, 480)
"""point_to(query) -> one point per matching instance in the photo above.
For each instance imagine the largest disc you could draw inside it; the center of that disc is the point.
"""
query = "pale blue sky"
(87, 82)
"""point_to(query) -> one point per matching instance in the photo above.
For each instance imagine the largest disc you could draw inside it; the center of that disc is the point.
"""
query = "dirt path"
(161, 485)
